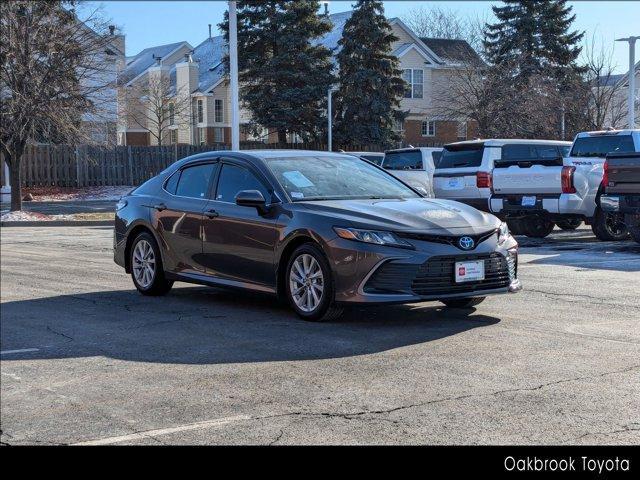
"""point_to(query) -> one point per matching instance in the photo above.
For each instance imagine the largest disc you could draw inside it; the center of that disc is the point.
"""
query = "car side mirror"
(251, 198)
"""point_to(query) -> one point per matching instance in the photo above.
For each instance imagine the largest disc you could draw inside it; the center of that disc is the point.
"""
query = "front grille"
(437, 275)
(447, 239)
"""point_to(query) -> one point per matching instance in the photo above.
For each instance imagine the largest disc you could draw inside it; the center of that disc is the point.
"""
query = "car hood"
(434, 216)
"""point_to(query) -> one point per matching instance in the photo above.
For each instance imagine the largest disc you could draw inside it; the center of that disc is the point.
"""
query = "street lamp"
(330, 118)
(632, 77)
(233, 73)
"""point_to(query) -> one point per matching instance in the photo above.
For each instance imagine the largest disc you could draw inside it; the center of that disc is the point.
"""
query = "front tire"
(569, 223)
(537, 227)
(608, 226)
(309, 285)
(463, 302)
(146, 266)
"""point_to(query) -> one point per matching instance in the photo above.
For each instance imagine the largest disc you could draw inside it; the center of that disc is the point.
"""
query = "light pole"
(632, 77)
(233, 72)
(330, 118)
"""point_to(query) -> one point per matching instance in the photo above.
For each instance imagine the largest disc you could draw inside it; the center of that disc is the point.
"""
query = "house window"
(172, 114)
(398, 126)
(202, 136)
(415, 83)
(200, 111)
(173, 136)
(218, 135)
(429, 128)
(217, 108)
(462, 130)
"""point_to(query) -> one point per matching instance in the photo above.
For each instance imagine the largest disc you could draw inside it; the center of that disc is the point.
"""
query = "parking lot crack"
(278, 437)
(633, 427)
(59, 333)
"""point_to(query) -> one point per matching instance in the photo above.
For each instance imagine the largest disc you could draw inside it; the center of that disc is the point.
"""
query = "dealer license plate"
(469, 271)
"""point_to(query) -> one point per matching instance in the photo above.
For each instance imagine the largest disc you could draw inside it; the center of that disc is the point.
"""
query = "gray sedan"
(320, 230)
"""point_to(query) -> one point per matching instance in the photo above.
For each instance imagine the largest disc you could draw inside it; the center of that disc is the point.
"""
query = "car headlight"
(121, 204)
(503, 233)
(372, 236)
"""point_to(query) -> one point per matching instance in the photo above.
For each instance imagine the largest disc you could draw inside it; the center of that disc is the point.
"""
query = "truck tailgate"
(623, 173)
(533, 179)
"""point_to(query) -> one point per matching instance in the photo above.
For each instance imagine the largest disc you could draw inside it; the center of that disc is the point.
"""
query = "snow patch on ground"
(61, 194)
(23, 216)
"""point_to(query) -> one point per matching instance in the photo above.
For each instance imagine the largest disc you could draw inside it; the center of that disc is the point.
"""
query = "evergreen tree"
(370, 81)
(284, 73)
(534, 36)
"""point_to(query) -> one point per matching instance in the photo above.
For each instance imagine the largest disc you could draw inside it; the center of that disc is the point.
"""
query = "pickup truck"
(621, 183)
(536, 194)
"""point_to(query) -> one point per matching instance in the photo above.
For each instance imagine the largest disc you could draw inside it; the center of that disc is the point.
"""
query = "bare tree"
(605, 97)
(154, 105)
(52, 71)
(436, 22)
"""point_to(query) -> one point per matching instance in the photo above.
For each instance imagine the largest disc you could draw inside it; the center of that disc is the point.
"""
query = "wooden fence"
(84, 165)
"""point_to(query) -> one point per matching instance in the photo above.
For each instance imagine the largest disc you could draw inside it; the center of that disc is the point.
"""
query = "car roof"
(498, 142)
(378, 154)
(413, 149)
(608, 132)
(264, 154)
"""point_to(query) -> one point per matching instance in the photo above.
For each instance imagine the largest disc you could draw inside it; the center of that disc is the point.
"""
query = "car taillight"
(567, 180)
(483, 180)
(605, 174)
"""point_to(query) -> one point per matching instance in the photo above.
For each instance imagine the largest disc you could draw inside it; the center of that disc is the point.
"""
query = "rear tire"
(537, 227)
(309, 285)
(608, 227)
(147, 271)
(569, 223)
(463, 302)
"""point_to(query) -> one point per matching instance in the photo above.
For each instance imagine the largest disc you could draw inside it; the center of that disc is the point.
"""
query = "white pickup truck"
(535, 194)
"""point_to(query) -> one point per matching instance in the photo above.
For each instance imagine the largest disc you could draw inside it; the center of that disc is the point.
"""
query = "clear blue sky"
(147, 23)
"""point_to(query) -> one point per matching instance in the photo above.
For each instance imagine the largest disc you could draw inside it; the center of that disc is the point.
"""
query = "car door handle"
(211, 213)
(160, 207)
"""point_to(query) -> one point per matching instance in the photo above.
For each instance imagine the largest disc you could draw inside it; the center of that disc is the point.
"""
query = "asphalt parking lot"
(85, 359)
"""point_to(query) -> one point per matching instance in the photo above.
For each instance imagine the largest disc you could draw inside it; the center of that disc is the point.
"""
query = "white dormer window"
(414, 77)
(200, 111)
(218, 112)
(428, 128)
(172, 114)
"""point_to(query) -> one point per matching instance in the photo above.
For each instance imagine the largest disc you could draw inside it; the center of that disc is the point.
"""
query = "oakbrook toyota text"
(569, 464)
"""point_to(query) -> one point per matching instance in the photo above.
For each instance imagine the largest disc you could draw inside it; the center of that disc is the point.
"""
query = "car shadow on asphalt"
(199, 325)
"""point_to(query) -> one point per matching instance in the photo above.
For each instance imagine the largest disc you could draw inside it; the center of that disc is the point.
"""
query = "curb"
(60, 223)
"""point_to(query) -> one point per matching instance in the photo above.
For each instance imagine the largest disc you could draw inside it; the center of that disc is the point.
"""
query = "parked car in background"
(373, 157)
(621, 183)
(465, 171)
(414, 166)
(535, 194)
(319, 229)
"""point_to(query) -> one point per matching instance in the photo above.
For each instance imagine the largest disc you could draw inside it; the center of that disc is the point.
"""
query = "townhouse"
(199, 97)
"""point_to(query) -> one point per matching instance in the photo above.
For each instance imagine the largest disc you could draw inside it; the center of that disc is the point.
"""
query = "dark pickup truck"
(621, 187)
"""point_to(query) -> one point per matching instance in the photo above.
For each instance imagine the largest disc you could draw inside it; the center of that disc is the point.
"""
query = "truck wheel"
(608, 226)
(516, 226)
(537, 227)
(633, 224)
(569, 223)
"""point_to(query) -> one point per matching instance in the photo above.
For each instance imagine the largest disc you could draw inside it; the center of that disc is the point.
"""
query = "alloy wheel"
(306, 283)
(144, 263)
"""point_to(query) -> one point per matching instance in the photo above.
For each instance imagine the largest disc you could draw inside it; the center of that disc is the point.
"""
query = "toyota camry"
(320, 230)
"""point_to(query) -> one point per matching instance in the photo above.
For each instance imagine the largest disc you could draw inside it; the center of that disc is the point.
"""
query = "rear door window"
(461, 156)
(194, 181)
(409, 160)
(601, 145)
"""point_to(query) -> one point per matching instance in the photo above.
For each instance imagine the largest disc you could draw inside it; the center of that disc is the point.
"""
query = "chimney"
(209, 31)
(158, 60)
(112, 29)
(326, 8)
(188, 57)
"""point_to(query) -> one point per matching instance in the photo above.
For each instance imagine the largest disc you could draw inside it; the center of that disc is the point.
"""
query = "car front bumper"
(373, 274)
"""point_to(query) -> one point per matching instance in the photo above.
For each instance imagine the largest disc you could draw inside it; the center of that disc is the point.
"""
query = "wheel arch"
(133, 232)
(288, 247)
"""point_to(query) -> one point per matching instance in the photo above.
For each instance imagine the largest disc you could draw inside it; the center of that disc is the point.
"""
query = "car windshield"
(326, 177)
(601, 145)
(459, 156)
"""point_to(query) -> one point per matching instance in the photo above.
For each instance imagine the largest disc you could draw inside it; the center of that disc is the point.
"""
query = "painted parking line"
(22, 350)
(165, 431)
